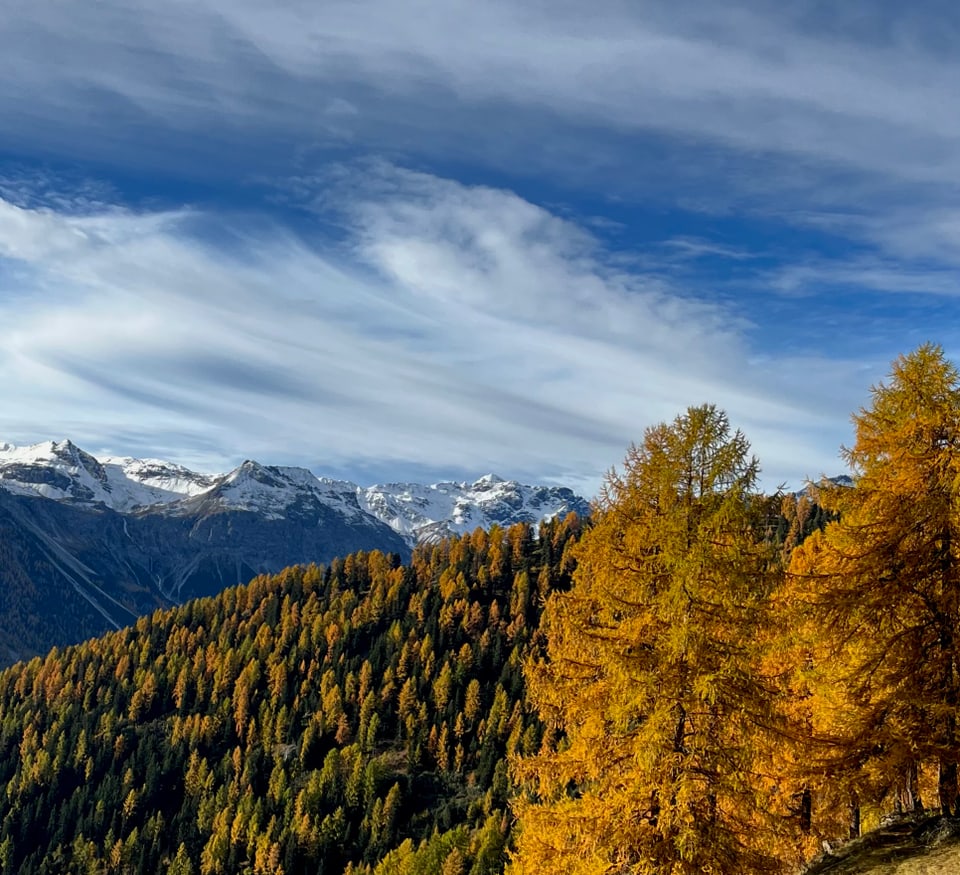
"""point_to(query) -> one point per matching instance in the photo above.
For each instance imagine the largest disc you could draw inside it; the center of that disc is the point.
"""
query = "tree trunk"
(806, 810)
(912, 794)
(854, 817)
(947, 786)
(681, 731)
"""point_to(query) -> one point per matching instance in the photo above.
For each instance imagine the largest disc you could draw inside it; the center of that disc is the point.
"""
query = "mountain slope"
(90, 545)
(70, 572)
(908, 846)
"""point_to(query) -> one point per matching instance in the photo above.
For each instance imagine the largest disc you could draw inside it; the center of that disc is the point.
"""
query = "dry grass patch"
(930, 846)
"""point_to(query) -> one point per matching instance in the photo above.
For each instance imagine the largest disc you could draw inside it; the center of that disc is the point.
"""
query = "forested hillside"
(358, 715)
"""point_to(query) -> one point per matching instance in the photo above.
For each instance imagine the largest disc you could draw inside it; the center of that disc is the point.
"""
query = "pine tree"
(881, 588)
(648, 686)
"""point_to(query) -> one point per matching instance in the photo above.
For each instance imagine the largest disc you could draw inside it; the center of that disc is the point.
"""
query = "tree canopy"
(351, 717)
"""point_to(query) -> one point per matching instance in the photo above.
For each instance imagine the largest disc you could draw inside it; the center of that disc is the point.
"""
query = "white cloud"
(464, 329)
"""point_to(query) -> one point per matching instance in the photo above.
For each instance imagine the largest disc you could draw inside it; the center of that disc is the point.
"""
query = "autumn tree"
(881, 591)
(648, 686)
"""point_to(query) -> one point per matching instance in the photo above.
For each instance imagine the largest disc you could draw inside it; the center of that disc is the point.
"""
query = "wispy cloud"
(457, 328)
(798, 86)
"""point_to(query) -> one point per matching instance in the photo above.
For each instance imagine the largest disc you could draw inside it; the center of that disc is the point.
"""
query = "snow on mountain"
(166, 480)
(271, 491)
(63, 472)
(429, 513)
(811, 488)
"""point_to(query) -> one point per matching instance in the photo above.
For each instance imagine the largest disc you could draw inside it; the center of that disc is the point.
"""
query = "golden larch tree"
(648, 684)
(879, 594)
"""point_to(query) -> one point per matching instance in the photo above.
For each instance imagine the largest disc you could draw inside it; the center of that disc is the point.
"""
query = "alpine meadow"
(696, 677)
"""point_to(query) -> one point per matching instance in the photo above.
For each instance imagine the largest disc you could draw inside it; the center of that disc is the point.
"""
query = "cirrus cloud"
(454, 328)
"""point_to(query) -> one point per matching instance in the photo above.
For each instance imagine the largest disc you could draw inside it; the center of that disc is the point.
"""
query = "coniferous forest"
(701, 678)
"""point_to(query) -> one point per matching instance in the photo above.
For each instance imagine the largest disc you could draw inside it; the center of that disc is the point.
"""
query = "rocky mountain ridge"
(61, 471)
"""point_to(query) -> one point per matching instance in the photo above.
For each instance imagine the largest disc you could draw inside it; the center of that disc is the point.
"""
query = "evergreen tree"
(648, 687)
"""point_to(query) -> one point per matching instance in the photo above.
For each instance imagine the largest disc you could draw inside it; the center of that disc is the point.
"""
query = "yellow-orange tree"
(882, 591)
(647, 687)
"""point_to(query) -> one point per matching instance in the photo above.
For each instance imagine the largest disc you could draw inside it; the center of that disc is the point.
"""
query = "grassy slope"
(926, 847)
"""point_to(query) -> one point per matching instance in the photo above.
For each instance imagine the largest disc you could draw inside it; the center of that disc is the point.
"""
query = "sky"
(432, 239)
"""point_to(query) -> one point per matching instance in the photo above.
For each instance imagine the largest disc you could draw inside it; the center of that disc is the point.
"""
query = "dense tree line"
(357, 716)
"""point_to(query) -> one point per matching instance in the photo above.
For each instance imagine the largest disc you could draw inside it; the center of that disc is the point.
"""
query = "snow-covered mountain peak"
(429, 513)
(274, 491)
(487, 481)
(53, 469)
(61, 471)
(257, 477)
(64, 452)
(249, 471)
(174, 480)
(812, 487)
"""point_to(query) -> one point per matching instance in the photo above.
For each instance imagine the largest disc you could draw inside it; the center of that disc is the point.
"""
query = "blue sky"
(393, 240)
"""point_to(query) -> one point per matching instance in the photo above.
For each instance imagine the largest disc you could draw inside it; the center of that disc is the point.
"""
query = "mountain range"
(90, 544)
